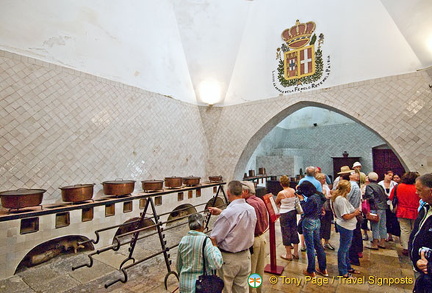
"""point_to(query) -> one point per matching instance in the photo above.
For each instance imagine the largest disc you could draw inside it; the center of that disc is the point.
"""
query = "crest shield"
(299, 63)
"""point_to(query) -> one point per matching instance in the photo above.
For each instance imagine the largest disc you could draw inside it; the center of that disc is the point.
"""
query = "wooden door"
(338, 162)
(385, 160)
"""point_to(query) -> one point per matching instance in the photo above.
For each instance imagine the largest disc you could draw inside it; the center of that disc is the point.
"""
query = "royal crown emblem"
(299, 62)
(298, 35)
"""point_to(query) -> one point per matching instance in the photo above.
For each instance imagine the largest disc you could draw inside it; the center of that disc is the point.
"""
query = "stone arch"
(276, 119)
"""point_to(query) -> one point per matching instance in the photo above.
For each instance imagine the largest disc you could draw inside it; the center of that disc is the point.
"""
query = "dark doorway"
(384, 160)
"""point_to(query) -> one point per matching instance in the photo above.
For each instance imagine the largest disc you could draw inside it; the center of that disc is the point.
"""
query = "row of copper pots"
(170, 182)
(261, 171)
(175, 182)
(22, 198)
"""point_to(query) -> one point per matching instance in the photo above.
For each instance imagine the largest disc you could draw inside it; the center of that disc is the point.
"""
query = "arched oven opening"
(217, 202)
(132, 225)
(177, 222)
(180, 213)
(53, 248)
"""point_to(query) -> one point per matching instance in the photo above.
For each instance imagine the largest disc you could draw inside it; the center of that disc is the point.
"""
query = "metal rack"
(135, 234)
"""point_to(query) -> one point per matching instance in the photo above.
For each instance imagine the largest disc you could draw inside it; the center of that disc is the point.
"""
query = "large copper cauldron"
(77, 193)
(118, 187)
(21, 198)
(191, 181)
(173, 182)
(152, 185)
(215, 178)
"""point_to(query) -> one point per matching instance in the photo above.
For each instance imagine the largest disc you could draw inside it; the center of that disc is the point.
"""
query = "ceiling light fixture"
(210, 91)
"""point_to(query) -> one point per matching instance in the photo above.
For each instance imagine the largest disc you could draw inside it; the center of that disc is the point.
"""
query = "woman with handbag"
(311, 228)
(286, 201)
(346, 221)
(377, 200)
(194, 249)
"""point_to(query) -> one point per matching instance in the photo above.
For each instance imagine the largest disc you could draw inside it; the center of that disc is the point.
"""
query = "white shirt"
(341, 206)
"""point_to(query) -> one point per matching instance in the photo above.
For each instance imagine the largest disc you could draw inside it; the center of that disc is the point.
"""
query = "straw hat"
(345, 170)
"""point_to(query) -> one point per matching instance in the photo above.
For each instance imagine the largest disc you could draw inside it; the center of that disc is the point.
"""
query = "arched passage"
(336, 149)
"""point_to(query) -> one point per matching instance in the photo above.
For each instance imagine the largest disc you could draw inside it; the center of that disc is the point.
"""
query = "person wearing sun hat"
(358, 166)
(344, 173)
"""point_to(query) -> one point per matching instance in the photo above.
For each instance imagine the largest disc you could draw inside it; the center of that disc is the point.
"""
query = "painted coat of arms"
(300, 62)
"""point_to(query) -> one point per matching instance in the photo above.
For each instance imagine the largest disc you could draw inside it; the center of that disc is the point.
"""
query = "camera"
(427, 252)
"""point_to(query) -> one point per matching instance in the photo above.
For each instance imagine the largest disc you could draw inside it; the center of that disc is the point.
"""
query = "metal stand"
(135, 233)
(273, 216)
(272, 267)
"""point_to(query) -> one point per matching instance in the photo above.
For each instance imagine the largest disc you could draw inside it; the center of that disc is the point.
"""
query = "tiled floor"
(377, 269)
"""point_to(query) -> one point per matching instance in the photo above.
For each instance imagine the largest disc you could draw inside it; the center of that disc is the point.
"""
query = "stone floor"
(377, 269)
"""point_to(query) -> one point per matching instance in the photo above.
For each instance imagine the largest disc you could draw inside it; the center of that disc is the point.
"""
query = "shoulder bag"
(366, 211)
(208, 282)
(298, 206)
(326, 205)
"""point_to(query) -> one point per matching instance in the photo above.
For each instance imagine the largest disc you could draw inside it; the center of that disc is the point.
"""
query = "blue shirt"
(190, 260)
(312, 208)
(312, 180)
(355, 195)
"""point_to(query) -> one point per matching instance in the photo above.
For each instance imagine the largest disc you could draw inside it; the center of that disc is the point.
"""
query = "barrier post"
(272, 268)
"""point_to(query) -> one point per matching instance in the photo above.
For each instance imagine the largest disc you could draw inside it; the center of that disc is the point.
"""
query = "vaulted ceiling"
(174, 47)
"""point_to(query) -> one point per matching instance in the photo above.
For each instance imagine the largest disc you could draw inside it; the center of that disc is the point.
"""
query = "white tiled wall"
(62, 127)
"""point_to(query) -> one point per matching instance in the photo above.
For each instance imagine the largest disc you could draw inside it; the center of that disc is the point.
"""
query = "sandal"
(348, 276)
(353, 271)
(329, 246)
(295, 256)
(286, 258)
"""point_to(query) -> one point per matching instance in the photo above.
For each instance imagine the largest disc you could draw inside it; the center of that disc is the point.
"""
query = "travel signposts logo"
(301, 66)
(255, 280)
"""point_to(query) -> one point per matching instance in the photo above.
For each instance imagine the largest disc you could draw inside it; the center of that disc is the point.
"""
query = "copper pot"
(191, 180)
(215, 178)
(21, 198)
(77, 193)
(173, 182)
(118, 187)
(251, 173)
(152, 185)
(261, 171)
